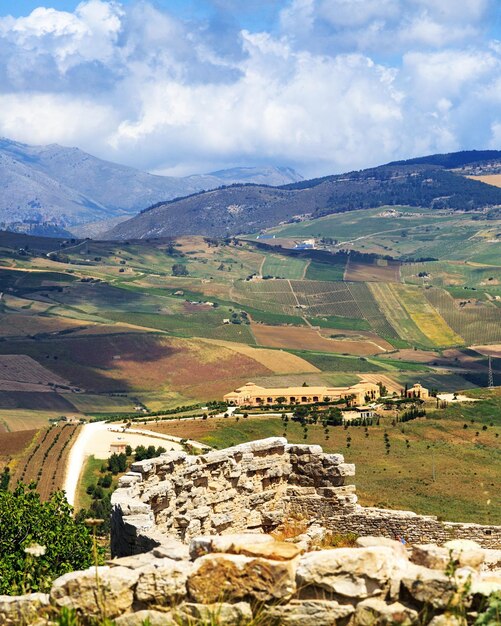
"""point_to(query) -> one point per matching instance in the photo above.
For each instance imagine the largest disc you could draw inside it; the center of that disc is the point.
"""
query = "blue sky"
(179, 87)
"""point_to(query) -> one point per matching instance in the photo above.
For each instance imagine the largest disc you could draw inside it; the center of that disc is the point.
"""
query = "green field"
(283, 267)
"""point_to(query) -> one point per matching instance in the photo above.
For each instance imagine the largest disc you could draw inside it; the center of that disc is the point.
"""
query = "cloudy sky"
(188, 86)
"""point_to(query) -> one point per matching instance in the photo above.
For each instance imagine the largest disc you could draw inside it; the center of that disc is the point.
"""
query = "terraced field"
(478, 322)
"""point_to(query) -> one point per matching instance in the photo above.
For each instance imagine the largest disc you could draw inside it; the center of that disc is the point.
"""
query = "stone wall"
(239, 580)
(255, 487)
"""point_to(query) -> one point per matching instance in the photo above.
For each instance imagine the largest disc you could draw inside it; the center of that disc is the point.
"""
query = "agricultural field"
(379, 270)
(284, 267)
(435, 465)
(45, 460)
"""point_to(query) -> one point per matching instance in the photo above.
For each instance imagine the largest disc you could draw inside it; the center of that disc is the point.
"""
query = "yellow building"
(418, 391)
(254, 395)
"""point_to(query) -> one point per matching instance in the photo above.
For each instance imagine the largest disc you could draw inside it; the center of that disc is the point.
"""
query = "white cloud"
(139, 86)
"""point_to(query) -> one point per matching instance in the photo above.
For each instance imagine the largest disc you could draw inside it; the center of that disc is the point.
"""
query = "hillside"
(63, 187)
(244, 209)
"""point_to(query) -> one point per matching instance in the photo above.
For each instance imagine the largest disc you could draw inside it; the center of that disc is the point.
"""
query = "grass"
(326, 271)
(88, 476)
(283, 267)
(466, 466)
(341, 323)
(333, 363)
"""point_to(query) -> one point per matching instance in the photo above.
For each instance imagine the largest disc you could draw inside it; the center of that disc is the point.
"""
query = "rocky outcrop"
(234, 580)
(255, 487)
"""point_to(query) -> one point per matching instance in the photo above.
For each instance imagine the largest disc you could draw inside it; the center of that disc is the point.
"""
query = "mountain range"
(435, 181)
(52, 189)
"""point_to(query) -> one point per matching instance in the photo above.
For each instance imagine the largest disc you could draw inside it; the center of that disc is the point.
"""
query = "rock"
(447, 620)
(172, 549)
(486, 584)
(492, 560)
(430, 586)
(221, 613)
(112, 595)
(15, 610)
(163, 582)
(229, 577)
(305, 613)
(347, 572)
(152, 618)
(375, 611)
(231, 544)
(461, 553)
(276, 551)
(369, 542)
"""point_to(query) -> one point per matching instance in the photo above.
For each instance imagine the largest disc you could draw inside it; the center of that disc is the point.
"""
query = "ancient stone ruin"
(192, 547)
(256, 487)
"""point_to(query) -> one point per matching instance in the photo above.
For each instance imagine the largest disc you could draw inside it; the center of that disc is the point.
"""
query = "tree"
(178, 269)
(64, 544)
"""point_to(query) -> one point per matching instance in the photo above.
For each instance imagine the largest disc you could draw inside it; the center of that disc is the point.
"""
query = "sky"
(189, 86)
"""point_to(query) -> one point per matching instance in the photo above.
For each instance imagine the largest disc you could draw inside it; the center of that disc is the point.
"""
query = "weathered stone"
(172, 549)
(221, 613)
(468, 553)
(15, 610)
(347, 572)
(163, 582)
(152, 618)
(486, 584)
(305, 613)
(447, 619)
(374, 611)
(430, 586)
(458, 553)
(236, 577)
(112, 593)
(247, 544)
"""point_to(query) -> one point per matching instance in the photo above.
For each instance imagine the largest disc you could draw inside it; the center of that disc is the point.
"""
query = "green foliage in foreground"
(39, 541)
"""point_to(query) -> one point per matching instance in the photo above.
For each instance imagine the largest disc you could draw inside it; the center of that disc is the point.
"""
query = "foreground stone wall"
(256, 487)
(238, 580)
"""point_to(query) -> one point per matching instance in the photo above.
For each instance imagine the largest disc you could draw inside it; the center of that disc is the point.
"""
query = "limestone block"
(306, 613)
(430, 586)
(132, 562)
(486, 584)
(221, 519)
(435, 557)
(375, 611)
(172, 549)
(229, 544)
(232, 577)
(15, 610)
(271, 443)
(447, 619)
(131, 478)
(300, 449)
(397, 546)
(272, 517)
(113, 593)
(348, 572)
(163, 582)
(221, 613)
(153, 618)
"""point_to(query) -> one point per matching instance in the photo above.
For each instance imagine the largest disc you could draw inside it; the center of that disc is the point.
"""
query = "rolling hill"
(240, 209)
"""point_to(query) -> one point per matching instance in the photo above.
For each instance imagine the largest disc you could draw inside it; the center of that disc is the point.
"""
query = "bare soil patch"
(488, 179)
(419, 356)
(368, 272)
(19, 372)
(295, 338)
(493, 350)
(13, 444)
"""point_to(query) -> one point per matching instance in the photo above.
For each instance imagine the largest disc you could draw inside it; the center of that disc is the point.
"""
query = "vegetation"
(39, 541)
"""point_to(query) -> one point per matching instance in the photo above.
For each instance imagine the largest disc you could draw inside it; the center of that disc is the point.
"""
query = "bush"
(24, 521)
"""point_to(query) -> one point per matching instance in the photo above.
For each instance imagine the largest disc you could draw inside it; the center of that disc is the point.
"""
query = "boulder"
(230, 544)
(375, 611)
(355, 573)
(460, 553)
(431, 586)
(221, 613)
(111, 594)
(152, 618)
(447, 619)
(305, 613)
(16, 610)
(163, 582)
(232, 577)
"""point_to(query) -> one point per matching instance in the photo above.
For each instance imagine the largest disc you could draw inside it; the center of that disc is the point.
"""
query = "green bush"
(64, 545)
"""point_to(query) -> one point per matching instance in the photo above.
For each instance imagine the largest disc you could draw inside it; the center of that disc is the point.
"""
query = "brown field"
(276, 361)
(27, 419)
(22, 325)
(489, 179)
(19, 372)
(418, 356)
(388, 382)
(45, 463)
(387, 272)
(13, 445)
(493, 350)
(295, 338)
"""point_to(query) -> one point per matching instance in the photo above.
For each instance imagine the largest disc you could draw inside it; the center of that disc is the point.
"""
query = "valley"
(93, 330)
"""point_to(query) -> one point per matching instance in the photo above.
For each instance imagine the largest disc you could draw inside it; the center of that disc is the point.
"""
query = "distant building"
(417, 391)
(117, 447)
(308, 244)
(254, 395)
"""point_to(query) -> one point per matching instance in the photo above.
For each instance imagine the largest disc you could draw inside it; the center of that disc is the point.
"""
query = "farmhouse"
(254, 395)
(417, 391)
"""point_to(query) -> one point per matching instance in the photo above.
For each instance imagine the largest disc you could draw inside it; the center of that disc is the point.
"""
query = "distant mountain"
(454, 160)
(239, 209)
(63, 187)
